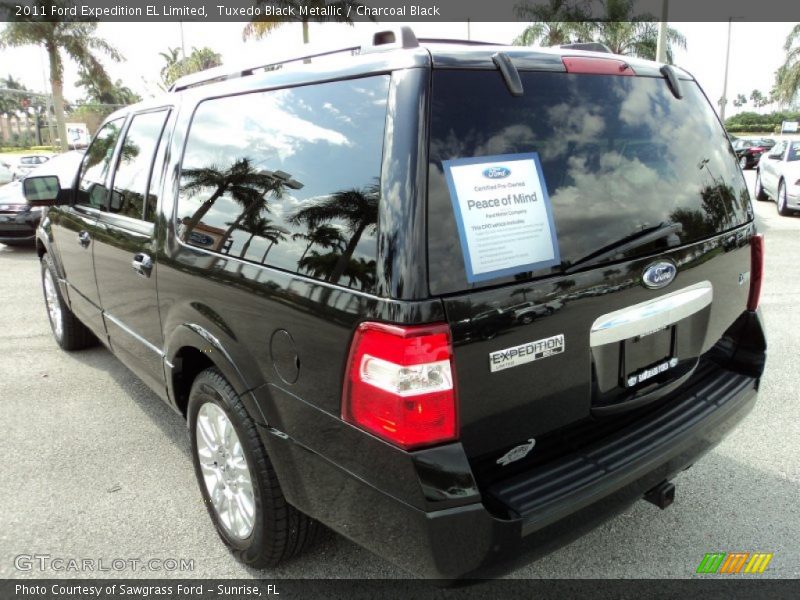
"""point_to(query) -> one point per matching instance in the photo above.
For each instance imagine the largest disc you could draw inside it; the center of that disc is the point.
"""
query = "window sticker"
(503, 213)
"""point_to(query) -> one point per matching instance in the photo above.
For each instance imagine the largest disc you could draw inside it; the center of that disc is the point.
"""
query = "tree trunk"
(302, 256)
(5, 130)
(235, 225)
(37, 124)
(201, 212)
(344, 259)
(246, 246)
(56, 73)
(271, 244)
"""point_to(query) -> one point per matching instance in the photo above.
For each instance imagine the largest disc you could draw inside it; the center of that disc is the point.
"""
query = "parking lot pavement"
(96, 466)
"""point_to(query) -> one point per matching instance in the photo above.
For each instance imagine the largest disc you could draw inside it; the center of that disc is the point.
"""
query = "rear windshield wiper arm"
(620, 247)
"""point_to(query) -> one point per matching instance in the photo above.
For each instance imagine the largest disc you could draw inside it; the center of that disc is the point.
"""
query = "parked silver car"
(778, 176)
(27, 163)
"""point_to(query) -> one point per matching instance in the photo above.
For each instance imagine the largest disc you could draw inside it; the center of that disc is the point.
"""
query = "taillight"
(399, 384)
(597, 66)
(756, 271)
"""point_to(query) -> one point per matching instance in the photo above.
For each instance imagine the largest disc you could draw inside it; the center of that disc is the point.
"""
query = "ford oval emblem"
(659, 275)
(496, 172)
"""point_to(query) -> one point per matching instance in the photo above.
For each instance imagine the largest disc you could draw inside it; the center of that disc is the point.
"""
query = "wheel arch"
(190, 350)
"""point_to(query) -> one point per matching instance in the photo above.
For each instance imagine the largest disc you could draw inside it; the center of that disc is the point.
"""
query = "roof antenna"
(509, 72)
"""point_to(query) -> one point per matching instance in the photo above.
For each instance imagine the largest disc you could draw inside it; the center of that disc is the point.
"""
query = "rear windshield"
(576, 166)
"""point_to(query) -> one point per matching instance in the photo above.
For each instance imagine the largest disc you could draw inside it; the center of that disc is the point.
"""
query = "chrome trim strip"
(650, 315)
(130, 332)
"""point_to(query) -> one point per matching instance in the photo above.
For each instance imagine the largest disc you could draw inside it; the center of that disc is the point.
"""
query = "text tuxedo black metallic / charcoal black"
(457, 302)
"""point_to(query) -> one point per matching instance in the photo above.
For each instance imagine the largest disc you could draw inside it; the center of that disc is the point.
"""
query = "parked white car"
(6, 174)
(27, 163)
(778, 176)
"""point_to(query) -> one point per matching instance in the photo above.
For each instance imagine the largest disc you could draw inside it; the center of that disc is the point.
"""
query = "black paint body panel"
(282, 340)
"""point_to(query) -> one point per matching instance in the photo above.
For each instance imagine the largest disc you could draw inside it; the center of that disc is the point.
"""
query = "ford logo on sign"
(659, 275)
(496, 172)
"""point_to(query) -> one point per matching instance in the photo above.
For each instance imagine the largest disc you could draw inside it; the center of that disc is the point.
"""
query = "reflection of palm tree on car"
(245, 185)
(356, 208)
(357, 271)
(275, 234)
(256, 226)
(259, 226)
(323, 236)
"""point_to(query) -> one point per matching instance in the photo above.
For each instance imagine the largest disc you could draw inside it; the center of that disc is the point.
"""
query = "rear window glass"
(617, 156)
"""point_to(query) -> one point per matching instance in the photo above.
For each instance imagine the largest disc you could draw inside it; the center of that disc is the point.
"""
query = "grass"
(31, 150)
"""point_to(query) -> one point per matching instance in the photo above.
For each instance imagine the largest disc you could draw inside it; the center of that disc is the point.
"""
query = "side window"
(777, 151)
(289, 178)
(92, 190)
(794, 153)
(135, 162)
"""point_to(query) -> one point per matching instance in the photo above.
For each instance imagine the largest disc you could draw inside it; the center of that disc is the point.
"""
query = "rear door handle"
(142, 264)
(84, 239)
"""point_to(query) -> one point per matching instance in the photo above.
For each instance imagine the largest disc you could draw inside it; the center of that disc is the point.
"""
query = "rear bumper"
(550, 507)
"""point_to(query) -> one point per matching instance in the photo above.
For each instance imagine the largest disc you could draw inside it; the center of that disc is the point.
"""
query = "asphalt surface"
(95, 466)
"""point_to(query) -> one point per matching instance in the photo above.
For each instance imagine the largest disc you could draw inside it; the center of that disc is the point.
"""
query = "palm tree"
(336, 11)
(11, 103)
(200, 59)
(319, 266)
(171, 58)
(76, 39)
(787, 78)
(627, 33)
(118, 94)
(323, 236)
(260, 227)
(558, 22)
(357, 209)
(245, 185)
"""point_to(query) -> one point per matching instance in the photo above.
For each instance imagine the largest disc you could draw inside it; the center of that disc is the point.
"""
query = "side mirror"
(43, 190)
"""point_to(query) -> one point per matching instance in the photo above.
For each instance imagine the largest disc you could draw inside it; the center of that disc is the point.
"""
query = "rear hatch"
(588, 239)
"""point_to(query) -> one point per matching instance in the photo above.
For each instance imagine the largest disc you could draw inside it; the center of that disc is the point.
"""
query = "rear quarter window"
(618, 155)
(289, 178)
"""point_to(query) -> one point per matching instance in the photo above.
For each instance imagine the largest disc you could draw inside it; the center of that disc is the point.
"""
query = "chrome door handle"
(142, 264)
(84, 239)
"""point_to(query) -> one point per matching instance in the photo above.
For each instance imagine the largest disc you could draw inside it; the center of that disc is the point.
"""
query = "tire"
(68, 331)
(759, 190)
(743, 163)
(272, 530)
(782, 201)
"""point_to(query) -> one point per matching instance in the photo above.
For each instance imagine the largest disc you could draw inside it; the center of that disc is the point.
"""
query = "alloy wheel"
(53, 304)
(225, 471)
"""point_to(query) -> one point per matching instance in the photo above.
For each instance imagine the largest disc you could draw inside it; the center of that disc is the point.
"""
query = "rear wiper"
(621, 246)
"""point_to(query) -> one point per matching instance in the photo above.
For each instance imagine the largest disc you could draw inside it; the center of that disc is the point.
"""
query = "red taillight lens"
(399, 384)
(597, 66)
(756, 271)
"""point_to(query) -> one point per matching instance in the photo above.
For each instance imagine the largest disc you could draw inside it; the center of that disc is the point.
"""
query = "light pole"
(183, 44)
(724, 100)
(661, 46)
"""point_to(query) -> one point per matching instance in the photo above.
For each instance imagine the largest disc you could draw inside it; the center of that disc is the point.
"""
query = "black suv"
(321, 264)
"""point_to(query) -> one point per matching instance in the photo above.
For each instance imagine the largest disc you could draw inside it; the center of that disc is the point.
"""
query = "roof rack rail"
(386, 39)
(457, 41)
(590, 46)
